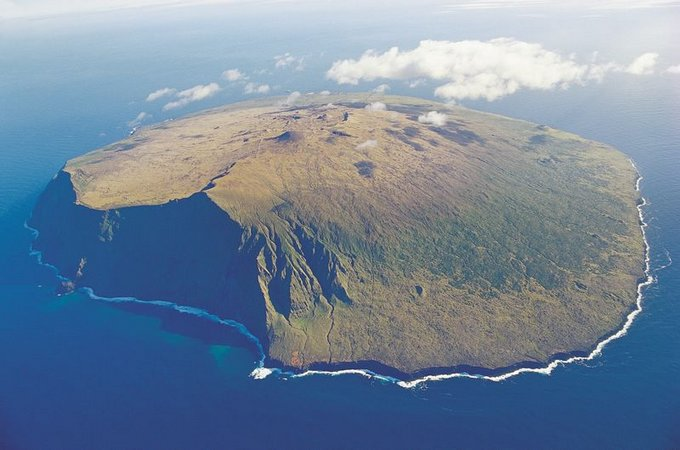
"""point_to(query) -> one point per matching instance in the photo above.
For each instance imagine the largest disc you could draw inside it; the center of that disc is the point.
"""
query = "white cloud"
(292, 98)
(255, 88)
(434, 118)
(597, 72)
(325, 93)
(287, 60)
(233, 75)
(137, 121)
(194, 94)
(367, 144)
(469, 69)
(479, 69)
(415, 83)
(643, 64)
(381, 89)
(160, 93)
(674, 69)
(376, 106)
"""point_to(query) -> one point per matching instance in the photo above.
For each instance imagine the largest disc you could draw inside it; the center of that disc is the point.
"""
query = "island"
(360, 230)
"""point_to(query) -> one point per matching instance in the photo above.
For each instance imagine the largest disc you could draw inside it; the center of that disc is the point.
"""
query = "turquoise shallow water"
(81, 373)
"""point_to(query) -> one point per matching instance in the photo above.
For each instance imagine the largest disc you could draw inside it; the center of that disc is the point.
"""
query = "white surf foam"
(334, 373)
(261, 372)
(160, 303)
(547, 370)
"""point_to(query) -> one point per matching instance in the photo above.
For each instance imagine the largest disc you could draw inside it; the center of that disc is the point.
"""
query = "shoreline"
(645, 281)
(495, 375)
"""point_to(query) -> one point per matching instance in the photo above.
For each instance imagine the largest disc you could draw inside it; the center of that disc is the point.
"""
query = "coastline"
(496, 375)
(644, 282)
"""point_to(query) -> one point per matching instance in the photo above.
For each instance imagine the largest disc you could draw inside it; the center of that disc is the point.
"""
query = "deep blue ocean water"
(80, 373)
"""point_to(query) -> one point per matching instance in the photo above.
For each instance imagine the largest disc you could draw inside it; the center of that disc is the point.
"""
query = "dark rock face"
(365, 168)
(187, 251)
(367, 239)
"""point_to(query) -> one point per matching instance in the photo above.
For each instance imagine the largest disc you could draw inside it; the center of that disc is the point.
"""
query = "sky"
(459, 70)
(442, 61)
(12, 9)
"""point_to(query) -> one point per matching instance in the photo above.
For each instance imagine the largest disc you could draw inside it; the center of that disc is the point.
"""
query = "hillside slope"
(340, 234)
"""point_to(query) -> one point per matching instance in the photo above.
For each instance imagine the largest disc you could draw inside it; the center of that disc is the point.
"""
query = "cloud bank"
(160, 93)
(643, 64)
(137, 121)
(674, 69)
(376, 106)
(255, 88)
(233, 75)
(486, 70)
(292, 98)
(289, 61)
(367, 144)
(194, 94)
(433, 118)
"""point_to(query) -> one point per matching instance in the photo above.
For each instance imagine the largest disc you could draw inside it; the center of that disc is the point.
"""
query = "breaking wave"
(550, 367)
(262, 372)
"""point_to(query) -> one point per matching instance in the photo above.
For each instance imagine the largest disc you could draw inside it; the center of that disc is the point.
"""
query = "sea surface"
(77, 372)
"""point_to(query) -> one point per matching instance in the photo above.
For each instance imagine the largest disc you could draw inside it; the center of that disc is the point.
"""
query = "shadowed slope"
(360, 235)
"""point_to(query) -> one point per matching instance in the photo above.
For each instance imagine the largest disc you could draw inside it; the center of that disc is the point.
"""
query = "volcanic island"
(360, 230)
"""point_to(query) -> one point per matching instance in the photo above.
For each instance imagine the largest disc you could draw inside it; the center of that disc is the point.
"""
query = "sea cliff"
(342, 236)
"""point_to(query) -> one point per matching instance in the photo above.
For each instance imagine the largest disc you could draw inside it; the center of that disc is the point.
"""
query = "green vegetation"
(351, 235)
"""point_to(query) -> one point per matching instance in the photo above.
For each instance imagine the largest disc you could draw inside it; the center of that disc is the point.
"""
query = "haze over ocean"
(81, 373)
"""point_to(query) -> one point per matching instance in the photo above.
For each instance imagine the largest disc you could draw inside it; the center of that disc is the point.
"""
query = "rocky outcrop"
(186, 251)
(341, 236)
(190, 252)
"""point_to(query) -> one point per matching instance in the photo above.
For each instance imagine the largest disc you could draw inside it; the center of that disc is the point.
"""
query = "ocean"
(78, 372)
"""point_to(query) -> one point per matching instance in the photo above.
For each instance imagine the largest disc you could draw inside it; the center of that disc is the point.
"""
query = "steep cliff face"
(186, 251)
(338, 234)
(190, 252)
